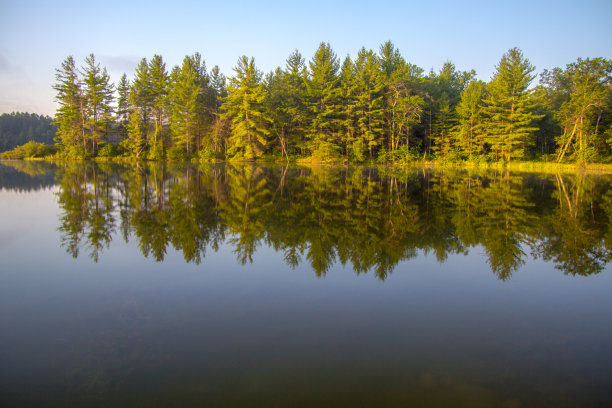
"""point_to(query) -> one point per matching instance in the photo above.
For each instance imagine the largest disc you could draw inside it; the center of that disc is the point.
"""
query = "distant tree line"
(18, 128)
(376, 107)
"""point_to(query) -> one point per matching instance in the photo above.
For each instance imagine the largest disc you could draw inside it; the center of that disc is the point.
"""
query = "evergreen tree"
(445, 90)
(369, 98)
(295, 82)
(509, 107)
(403, 107)
(244, 107)
(123, 106)
(220, 126)
(97, 99)
(322, 132)
(206, 103)
(140, 116)
(183, 98)
(469, 130)
(158, 94)
(277, 108)
(68, 117)
(347, 111)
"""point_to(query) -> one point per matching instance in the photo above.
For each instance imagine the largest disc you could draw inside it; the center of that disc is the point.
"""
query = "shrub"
(176, 153)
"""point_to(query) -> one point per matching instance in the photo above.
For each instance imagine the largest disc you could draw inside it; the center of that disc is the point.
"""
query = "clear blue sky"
(36, 36)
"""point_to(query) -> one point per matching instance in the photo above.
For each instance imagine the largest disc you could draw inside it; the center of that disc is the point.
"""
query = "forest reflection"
(369, 218)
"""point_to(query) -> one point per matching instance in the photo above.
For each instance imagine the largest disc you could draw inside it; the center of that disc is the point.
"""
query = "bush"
(176, 153)
(29, 150)
(156, 152)
(108, 150)
(205, 154)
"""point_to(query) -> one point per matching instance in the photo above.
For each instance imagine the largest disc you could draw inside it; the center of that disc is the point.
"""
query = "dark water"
(332, 286)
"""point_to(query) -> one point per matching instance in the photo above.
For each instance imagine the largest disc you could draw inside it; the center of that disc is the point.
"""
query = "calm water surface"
(272, 286)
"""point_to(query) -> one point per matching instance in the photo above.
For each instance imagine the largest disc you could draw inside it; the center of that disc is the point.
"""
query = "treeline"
(376, 107)
(371, 219)
(18, 128)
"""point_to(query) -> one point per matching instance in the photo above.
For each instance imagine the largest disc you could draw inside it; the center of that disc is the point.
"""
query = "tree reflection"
(369, 218)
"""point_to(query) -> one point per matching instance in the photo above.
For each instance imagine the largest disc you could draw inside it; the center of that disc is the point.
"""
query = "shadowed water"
(220, 285)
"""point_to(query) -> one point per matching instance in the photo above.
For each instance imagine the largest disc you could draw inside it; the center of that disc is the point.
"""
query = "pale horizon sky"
(37, 36)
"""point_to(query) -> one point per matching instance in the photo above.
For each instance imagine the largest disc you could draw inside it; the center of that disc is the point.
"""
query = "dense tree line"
(376, 106)
(18, 128)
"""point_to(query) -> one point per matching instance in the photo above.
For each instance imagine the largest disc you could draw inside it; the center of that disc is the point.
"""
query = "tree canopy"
(376, 107)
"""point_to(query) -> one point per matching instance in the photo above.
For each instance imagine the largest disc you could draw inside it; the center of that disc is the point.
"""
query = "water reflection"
(370, 218)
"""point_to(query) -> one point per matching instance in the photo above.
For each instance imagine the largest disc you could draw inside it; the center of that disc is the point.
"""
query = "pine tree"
(97, 98)
(295, 80)
(509, 107)
(220, 127)
(158, 93)
(140, 116)
(403, 107)
(347, 111)
(123, 106)
(469, 130)
(277, 108)
(369, 97)
(445, 90)
(68, 116)
(183, 98)
(206, 103)
(244, 106)
(322, 133)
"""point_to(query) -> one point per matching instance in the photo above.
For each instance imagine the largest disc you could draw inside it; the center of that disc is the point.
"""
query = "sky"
(36, 36)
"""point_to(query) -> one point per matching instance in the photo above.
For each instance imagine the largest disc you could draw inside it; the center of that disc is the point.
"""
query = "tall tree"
(68, 116)
(220, 127)
(509, 107)
(347, 111)
(445, 91)
(469, 130)
(158, 94)
(122, 113)
(295, 80)
(97, 98)
(183, 98)
(369, 98)
(585, 90)
(140, 116)
(403, 106)
(322, 132)
(244, 107)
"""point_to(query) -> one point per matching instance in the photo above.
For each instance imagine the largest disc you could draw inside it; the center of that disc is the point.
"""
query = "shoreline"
(517, 166)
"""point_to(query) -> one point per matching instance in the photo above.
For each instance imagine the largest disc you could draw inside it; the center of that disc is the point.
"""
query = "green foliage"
(96, 102)
(369, 103)
(377, 107)
(177, 153)
(69, 117)
(322, 136)
(584, 91)
(469, 133)
(183, 98)
(19, 128)
(29, 150)
(509, 107)
(244, 107)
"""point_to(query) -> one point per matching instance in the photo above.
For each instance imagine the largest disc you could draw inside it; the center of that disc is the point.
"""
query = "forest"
(376, 108)
(18, 128)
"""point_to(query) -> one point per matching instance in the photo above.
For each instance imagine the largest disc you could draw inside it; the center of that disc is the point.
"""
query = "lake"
(246, 285)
